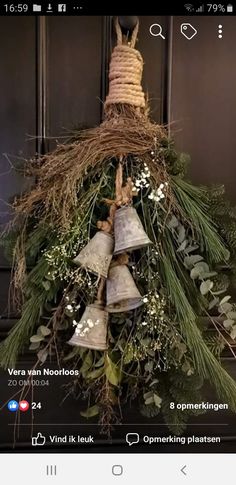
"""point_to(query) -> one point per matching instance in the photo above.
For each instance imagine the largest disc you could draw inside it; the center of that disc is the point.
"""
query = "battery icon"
(229, 8)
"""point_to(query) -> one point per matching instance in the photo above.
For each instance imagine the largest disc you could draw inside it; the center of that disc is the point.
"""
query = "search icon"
(156, 30)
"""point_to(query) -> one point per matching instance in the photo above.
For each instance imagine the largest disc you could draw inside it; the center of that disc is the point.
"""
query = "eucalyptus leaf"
(231, 315)
(202, 266)
(192, 260)
(228, 323)
(219, 292)
(34, 346)
(233, 333)
(46, 284)
(190, 249)
(111, 372)
(209, 274)
(90, 412)
(173, 223)
(44, 331)
(181, 234)
(195, 273)
(213, 303)
(36, 338)
(225, 299)
(147, 395)
(182, 246)
(42, 355)
(206, 286)
(225, 308)
(157, 400)
(187, 262)
(150, 400)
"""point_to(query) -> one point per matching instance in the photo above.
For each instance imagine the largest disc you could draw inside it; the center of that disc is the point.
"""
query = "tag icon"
(188, 31)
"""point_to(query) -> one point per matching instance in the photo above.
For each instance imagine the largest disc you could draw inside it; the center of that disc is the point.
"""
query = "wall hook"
(127, 23)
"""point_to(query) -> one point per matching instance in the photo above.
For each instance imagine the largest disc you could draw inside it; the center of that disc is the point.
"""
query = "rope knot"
(125, 74)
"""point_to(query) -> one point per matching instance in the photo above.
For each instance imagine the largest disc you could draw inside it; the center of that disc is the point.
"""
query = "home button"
(117, 470)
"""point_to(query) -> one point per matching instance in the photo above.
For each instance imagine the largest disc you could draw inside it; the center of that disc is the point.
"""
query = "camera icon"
(38, 440)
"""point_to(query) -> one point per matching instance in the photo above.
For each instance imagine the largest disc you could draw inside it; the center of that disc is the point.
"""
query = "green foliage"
(205, 364)
(149, 411)
(8, 241)
(224, 215)
(193, 203)
(90, 412)
(19, 336)
(216, 344)
(36, 297)
(157, 353)
(112, 371)
(175, 387)
(177, 164)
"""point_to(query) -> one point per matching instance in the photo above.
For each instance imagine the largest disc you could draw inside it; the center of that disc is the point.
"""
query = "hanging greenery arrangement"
(125, 256)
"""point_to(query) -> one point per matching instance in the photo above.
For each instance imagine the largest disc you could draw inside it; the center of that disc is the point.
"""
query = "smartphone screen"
(118, 243)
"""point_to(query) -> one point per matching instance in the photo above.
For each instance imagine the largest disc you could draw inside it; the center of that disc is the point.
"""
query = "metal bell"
(128, 231)
(91, 331)
(97, 254)
(122, 293)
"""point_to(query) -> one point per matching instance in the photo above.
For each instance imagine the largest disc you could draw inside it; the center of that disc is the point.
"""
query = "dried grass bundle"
(125, 131)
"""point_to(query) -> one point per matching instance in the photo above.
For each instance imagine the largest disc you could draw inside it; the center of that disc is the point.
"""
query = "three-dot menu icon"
(220, 31)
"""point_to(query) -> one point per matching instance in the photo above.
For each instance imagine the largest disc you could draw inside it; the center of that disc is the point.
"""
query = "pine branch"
(206, 365)
(16, 340)
(36, 297)
(194, 204)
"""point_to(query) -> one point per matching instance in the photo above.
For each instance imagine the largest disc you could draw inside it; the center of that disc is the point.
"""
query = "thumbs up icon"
(38, 440)
(13, 406)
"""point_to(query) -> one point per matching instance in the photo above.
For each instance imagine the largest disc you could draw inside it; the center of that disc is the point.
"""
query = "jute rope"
(125, 74)
(124, 195)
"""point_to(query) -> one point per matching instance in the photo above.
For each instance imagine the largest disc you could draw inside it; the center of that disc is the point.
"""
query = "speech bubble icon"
(132, 438)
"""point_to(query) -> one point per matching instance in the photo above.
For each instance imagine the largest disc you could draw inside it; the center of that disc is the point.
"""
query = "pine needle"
(205, 363)
(37, 296)
(194, 204)
(14, 344)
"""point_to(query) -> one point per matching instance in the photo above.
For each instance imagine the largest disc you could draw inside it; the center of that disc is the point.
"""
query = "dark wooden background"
(53, 78)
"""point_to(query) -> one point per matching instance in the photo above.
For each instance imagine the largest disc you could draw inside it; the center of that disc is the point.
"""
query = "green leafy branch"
(200, 271)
